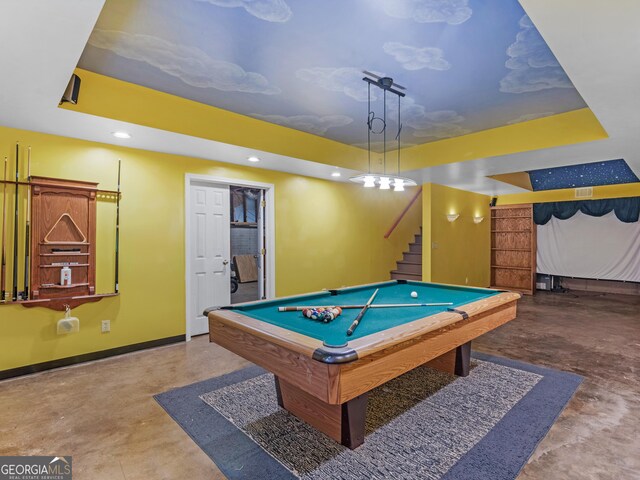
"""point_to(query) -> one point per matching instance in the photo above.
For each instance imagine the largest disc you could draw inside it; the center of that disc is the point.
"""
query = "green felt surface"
(375, 320)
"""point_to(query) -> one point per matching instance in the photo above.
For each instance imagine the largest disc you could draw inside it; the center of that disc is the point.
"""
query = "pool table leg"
(344, 423)
(278, 392)
(463, 359)
(354, 413)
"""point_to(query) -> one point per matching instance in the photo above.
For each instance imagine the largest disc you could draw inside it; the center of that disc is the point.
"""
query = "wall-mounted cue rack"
(63, 231)
(54, 264)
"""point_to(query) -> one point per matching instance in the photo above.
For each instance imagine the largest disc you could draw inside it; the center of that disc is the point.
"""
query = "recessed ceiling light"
(335, 174)
(121, 134)
(253, 159)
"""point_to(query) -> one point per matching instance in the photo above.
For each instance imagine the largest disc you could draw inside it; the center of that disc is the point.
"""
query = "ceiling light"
(121, 134)
(253, 159)
(335, 174)
(452, 217)
(369, 181)
(398, 185)
(376, 125)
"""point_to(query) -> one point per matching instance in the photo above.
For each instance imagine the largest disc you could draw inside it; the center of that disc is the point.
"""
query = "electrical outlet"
(466, 280)
(106, 326)
(434, 245)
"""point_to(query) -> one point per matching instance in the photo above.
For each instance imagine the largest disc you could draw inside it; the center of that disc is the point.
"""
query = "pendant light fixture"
(378, 126)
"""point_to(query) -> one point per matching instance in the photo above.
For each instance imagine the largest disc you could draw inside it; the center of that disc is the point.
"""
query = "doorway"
(229, 238)
(247, 244)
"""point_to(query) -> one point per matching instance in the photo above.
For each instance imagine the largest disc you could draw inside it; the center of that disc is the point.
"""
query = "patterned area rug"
(422, 425)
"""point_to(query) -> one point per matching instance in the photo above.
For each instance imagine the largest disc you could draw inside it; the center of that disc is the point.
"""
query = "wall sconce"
(478, 219)
(452, 217)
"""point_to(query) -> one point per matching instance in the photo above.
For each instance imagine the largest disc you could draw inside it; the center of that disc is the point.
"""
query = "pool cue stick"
(27, 233)
(356, 322)
(14, 295)
(380, 305)
(117, 272)
(4, 235)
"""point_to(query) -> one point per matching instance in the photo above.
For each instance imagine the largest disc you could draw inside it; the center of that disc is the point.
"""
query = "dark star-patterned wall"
(610, 172)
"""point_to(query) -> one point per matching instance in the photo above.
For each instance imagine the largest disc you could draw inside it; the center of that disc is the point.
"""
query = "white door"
(210, 268)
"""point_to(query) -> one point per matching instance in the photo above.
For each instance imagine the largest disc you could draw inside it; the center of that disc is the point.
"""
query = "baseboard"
(602, 286)
(87, 357)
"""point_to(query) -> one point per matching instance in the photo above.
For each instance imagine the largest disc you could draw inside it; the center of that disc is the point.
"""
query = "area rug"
(422, 425)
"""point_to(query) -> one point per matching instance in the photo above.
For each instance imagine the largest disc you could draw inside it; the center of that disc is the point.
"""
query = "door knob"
(225, 262)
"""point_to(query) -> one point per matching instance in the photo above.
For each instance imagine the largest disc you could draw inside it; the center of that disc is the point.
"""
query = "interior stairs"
(410, 267)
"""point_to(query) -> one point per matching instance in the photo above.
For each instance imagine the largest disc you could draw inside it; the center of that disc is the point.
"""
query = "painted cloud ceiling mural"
(468, 65)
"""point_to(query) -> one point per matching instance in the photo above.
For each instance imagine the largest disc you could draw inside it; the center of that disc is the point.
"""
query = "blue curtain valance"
(626, 209)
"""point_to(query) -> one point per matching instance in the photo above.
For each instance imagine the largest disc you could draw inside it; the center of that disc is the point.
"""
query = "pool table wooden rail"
(362, 346)
(274, 353)
(402, 333)
(291, 355)
(440, 348)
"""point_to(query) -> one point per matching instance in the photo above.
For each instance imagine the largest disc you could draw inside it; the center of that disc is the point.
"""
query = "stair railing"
(403, 213)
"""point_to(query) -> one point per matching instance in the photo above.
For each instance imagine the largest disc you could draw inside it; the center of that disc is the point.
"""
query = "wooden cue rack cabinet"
(63, 233)
(513, 248)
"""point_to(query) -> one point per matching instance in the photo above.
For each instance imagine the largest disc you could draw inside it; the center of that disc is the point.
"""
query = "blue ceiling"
(611, 172)
(468, 65)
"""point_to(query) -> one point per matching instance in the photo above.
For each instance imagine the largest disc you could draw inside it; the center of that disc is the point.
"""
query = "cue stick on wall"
(4, 217)
(380, 305)
(117, 272)
(27, 233)
(14, 295)
(356, 322)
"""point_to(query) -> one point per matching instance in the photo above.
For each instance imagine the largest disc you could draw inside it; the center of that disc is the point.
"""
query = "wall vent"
(585, 192)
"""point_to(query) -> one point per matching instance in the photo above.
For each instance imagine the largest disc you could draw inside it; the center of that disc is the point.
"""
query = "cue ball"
(414, 294)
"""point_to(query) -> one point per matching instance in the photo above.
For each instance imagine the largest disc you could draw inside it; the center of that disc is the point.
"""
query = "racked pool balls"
(322, 314)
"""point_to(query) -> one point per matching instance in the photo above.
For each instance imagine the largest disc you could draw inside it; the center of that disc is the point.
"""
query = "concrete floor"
(104, 415)
(247, 292)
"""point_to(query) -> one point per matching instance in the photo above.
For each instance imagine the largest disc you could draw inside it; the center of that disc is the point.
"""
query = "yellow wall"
(111, 98)
(563, 129)
(455, 252)
(328, 234)
(519, 179)
(463, 247)
(568, 194)
(427, 190)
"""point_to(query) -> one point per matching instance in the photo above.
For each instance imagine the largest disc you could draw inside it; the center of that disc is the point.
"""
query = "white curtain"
(590, 247)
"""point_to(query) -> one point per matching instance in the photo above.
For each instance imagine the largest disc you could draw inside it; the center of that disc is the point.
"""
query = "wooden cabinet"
(513, 248)
(63, 229)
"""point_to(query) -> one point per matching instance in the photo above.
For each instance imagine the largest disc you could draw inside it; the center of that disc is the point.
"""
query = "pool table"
(323, 376)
